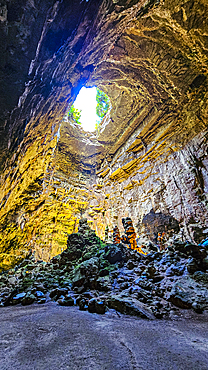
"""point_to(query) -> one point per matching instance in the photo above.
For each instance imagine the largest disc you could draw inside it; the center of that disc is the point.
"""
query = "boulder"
(18, 298)
(204, 243)
(85, 273)
(115, 253)
(141, 294)
(28, 299)
(195, 251)
(75, 240)
(91, 305)
(201, 277)
(83, 304)
(131, 264)
(129, 306)
(205, 263)
(96, 306)
(69, 255)
(177, 269)
(66, 301)
(41, 300)
(78, 279)
(144, 283)
(90, 267)
(103, 283)
(39, 294)
(186, 293)
(56, 293)
(104, 272)
(100, 307)
(192, 265)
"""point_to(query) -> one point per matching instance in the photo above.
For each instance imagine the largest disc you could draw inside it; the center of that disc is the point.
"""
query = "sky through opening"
(86, 103)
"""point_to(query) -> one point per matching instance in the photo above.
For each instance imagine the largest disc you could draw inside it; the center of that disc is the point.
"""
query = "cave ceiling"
(150, 57)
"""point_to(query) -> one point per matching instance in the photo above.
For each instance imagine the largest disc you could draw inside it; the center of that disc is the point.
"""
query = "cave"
(150, 58)
(68, 194)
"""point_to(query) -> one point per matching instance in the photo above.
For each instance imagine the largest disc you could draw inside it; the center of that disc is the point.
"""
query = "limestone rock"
(130, 307)
(116, 235)
(18, 298)
(66, 301)
(185, 293)
(115, 253)
(28, 299)
(149, 155)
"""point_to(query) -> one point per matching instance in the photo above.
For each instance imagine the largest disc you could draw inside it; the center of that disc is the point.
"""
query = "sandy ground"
(53, 337)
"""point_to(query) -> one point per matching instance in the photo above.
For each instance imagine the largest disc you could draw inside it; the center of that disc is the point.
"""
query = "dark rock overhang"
(149, 56)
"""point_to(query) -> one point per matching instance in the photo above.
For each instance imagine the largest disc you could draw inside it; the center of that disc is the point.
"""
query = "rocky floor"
(98, 277)
(54, 337)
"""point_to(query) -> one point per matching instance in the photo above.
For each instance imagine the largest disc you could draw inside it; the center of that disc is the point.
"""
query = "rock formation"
(99, 277)
(116, 235)
(130, 237)
(150, 153)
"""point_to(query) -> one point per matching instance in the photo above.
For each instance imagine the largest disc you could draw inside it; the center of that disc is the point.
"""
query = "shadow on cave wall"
(154, 223)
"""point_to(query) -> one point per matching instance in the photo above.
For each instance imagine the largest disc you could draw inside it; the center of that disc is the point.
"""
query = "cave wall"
(156, 76)
(150, 152)
(30, 216)
(166, 181)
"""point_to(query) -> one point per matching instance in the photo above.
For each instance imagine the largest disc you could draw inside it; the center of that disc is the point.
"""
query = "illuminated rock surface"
(150, 153)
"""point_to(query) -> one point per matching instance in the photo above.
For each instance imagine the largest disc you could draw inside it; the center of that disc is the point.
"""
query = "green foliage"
(103, 103)
(74, 114)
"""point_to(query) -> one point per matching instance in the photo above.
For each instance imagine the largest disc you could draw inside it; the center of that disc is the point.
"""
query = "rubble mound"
(98, 276)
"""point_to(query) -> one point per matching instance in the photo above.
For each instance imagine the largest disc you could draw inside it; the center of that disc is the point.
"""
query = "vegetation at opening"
(103, 103)
(102, 107)
(88, 112)
(74, 114)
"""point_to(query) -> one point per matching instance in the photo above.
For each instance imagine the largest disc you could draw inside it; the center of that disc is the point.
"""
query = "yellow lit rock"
(150, 152)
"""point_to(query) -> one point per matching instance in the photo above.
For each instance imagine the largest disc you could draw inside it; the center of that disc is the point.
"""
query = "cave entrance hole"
(89, 108)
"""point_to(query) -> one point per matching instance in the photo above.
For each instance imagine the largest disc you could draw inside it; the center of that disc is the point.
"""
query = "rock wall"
(172, 183)
(156, 135)
(150, 153)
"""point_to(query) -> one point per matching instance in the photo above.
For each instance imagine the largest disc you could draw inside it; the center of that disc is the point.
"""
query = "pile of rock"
(97, 277)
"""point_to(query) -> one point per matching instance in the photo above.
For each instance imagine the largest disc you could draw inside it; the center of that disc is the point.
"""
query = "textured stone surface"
(150, 152)
(97, 276)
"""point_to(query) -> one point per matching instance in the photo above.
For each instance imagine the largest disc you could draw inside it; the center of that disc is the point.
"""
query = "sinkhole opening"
(89, 108)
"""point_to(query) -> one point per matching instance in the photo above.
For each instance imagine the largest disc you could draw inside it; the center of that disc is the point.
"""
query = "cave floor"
(54, 337)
